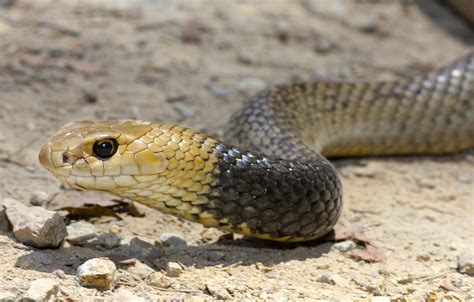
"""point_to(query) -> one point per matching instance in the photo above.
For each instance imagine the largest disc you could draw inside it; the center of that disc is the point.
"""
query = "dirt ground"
(194, 63)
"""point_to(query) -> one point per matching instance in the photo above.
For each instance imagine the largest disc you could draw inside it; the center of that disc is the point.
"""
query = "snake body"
(270, 179)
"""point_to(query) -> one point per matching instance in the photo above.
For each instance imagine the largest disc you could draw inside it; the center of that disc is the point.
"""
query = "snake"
(269, 177)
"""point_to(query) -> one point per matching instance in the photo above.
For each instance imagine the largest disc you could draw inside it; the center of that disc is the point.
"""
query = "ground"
(194, 63)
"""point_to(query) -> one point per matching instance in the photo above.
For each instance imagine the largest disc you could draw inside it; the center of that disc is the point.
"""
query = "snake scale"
(270, 179)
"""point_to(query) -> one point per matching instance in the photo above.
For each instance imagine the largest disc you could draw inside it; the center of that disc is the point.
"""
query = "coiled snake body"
(276, 183)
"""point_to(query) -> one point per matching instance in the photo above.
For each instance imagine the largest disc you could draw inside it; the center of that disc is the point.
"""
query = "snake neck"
(247, 193)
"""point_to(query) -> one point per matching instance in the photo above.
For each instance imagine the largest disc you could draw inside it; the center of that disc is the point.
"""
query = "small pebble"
(41, 290)
(98, 273)
(80, 228)
(140, 270)
(35, 226)
(325, 45)
(333, 280)
(173, 269)
(250, 86)
(215, 256)
(85, 234)
(218, 292)
(89, 97)
(218, 91)
(159, 280)
(466, 263)
(184, 110)
(423, 257)
(173, 240)
(137, 210)
(126, 295)
(142, 250)
(60, 273)
(344, 246)
(464, 177)
(39, 198)
(325, 278)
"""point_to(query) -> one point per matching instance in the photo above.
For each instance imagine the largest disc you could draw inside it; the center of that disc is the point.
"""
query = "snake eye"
(105, 149)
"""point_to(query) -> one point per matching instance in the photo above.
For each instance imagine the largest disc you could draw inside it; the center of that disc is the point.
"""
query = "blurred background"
(195, 62)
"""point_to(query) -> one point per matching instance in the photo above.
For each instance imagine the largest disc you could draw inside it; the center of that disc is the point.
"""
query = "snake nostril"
(65, 158)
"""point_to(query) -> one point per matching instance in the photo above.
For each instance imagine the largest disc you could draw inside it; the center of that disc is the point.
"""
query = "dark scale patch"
(273, 196)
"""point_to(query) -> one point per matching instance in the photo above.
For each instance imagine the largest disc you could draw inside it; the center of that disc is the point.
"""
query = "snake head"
(102, 155)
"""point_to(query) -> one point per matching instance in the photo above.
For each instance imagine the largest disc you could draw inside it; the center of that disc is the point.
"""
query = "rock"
(96, 240)
(173, 269)
(140, 270)
(142, 250)
(218, 292)
(35, 226)
(466, 263)
(41, 290)
(39, 198)
(250, 86)
(7, 296)
(126, 295)
(173, 240)
(98, 272)
(344, 246)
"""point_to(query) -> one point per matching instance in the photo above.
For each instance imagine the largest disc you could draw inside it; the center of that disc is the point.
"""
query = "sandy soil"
(194, 63)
